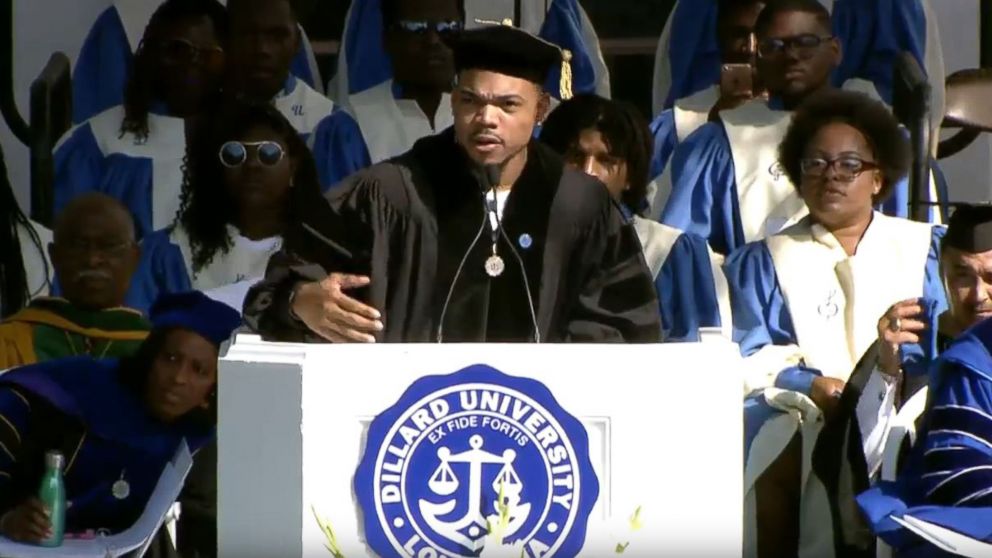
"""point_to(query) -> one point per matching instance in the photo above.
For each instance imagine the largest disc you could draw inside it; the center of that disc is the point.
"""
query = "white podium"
(663, 424)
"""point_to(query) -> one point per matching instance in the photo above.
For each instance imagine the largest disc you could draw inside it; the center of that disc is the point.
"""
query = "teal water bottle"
(52, 495)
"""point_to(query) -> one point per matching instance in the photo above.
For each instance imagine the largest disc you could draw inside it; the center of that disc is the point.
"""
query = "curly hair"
(625, 133)
(886, 138)
(206, 206)
(140, 91)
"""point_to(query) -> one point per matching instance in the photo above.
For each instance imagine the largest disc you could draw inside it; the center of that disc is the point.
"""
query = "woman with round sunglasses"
(806, 305)
(246, 173)
(134, 152)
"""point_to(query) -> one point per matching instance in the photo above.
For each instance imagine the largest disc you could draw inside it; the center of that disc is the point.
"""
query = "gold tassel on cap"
(565, 84)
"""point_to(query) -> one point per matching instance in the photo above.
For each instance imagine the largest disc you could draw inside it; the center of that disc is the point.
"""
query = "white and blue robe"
(726, 184)
(102, 68)
(948, 480)
(363, 62)
(669, 129)
(379, 125)
(803, 309)
(146, 174)
(166, 266)
(692, 289)
(872, 33)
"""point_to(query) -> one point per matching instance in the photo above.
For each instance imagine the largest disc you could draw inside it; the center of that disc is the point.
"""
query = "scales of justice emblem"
(444, 482)
(457, 451)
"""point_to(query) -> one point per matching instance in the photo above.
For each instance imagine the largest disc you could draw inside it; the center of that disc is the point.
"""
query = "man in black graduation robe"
(412, 239)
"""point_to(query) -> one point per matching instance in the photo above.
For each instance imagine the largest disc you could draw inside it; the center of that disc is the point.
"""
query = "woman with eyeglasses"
(246, 173)
(135, 152)
(806, 304)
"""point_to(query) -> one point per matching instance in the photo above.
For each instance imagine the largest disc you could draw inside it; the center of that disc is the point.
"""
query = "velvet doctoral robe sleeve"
(333, 234)
(617, 300)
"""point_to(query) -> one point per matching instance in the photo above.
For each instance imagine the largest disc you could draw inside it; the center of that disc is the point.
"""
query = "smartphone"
(736, 80)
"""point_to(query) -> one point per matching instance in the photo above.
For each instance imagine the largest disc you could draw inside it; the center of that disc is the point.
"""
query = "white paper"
(138, 536)
(946, 539)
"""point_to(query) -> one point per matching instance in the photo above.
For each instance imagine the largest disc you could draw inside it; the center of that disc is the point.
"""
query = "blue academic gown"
(694, 63)
(873, 34)
(947, 480)
(665, 140)
(94, 156)
(761, 313)
(368, 65)
(103, 65)
(161, 269)
(762, 318)
(684, 277)
(704, 198)
(120, 440)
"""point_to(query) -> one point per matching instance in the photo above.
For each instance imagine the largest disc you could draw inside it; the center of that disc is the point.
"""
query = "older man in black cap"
(476, 234)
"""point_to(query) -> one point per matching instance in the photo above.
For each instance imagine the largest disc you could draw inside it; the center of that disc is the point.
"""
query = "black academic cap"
(510, 51)
(970, 228)
(196, 312)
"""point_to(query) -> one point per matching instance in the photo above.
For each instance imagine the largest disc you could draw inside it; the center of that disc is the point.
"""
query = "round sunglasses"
(233, 154)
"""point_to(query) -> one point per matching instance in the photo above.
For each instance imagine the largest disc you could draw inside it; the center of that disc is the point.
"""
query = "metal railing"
(911, 105)
(51, 116)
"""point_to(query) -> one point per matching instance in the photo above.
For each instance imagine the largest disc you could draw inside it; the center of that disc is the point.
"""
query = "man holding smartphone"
(735, 35)
(727, 183)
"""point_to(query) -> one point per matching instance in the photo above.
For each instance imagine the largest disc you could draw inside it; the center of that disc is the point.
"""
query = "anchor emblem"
(469, 531)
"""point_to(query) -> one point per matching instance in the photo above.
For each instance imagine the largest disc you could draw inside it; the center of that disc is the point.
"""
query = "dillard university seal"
(437, 462)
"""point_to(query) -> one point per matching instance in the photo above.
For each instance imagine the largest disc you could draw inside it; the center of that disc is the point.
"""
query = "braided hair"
(14, 289)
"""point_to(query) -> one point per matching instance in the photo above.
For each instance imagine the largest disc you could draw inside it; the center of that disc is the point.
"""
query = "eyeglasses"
(181, 51)
(805, 45)
(233, 154)
(419, 27)
(846, 169)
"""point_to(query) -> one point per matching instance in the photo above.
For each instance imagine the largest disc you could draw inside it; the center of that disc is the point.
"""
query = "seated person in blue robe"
(385, 120)
(101, 71)
(873, 33)
(944, 481)
(238, 194)
(117, 422)
(364, 63)
(727, 182)
(806, 305)
(610, 140)
(134, 152)
(264, 37)
(734, 25)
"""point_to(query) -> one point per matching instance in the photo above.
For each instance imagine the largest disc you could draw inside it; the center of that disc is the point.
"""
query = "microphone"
(489, 177)
(492, 175)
